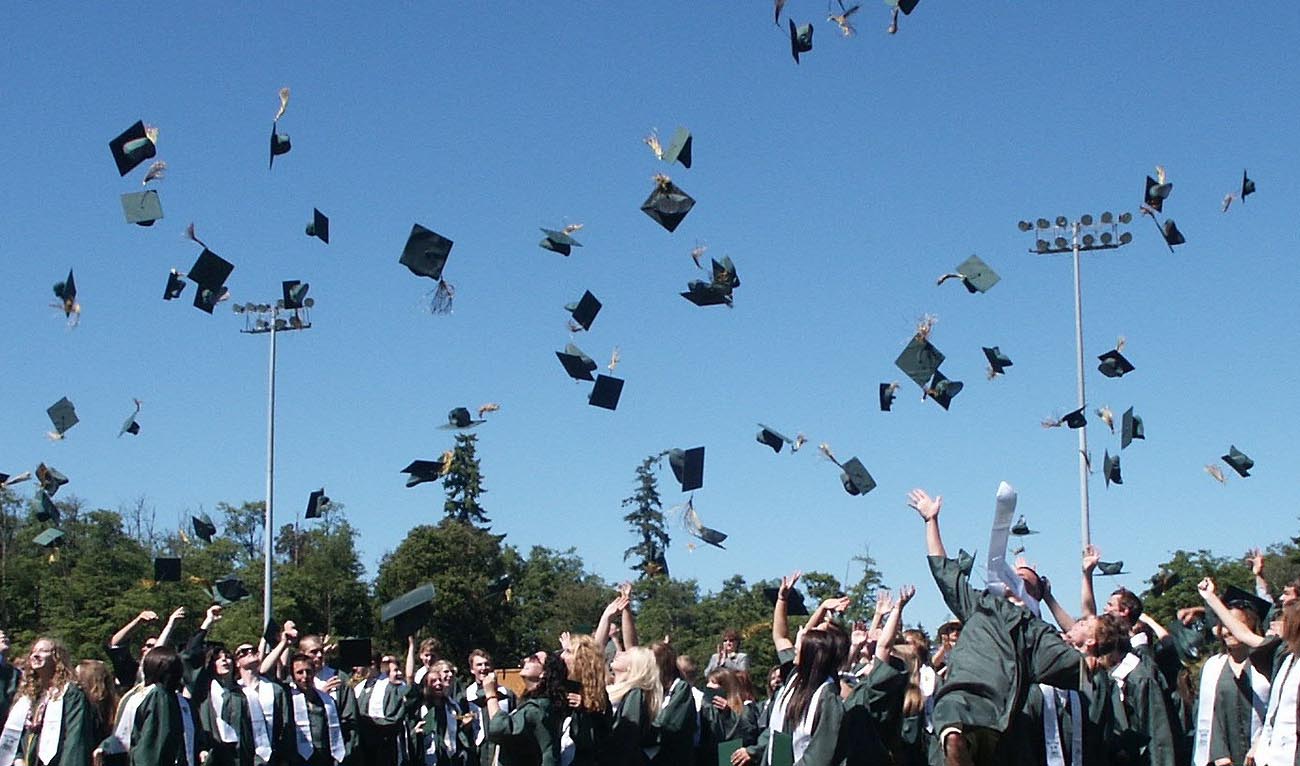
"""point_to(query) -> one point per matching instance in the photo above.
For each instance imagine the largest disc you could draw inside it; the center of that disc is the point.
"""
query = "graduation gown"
(1004, 649)
(9, 678)
(528, 735)
(1229, 734)
(1026, 742)
(873, 714)
(75, 738)
(824, 746)
(471, 700)
(158, 734)
(1141, 717)
(631, 733)
(345, 699)
(676, 723)
(431, 747)
(380, 736)
(588, 730)
(718, 725)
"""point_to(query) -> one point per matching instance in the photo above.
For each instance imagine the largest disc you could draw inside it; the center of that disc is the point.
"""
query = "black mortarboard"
(794, 604)
(906, 6)
(724, 273)
(66, 292)
(50, 479)
(1187, 640)
(703, 293)
(131, 148)
(1110, 469)
(976, 275)
(1169, 230)
(316, 504)
(1130, 429)
(1238, 461)
(500, 586)
(271, 633)
(1155, 194)
(558, 242)
(1075, 419)
(585, 310)
(1021, 528)
(426, 252)
(711, 536)
(279, 145)
(772, 438)
(47, 511)
(354, 652)
(606, 392)
(142, 208)
(460, 418)
(1114, 365)
(667, 204)
(855, 477)
(167, 569)
(319, 226)
(204, 529)
(919, 361)
(1110, 568)
(1247, 185)
(942, 390)
(679, 149)
(210, 270)
(800, 39)
(1164, 580)
(998, 361)
(175, 286)
(229, 590)
(887, 392)
(1236, 598)
(63, 415)
(578, 365)
(130, 426)
(410, 611)
(420, 471)
(207, 298)
(49, 538)
(294, 293)
(688, 467)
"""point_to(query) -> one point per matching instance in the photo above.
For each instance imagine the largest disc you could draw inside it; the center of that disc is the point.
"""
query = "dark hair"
(162, 666)
(1129, 602)
(821, 653)
(1291, 626)
(211, 655)
(666, 659)
(301, 657)
(1109, 635)
(731, 634)
(551, 686)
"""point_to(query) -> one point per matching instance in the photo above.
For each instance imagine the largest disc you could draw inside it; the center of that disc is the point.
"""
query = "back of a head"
(1130, 603)
(589, 669)
(1110, 635)
(821, 654)
(1291, 626)
(666, 658)
(687, 667)
(162, 666)
(643, 674)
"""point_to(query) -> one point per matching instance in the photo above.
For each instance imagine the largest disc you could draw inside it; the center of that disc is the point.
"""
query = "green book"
(782, 747)
(725, 749)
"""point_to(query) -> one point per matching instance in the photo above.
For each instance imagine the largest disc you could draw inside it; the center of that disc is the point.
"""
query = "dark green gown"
(379, 739)
(1142, 721)
(718, 725)
(158, 734)
(528, 735)
(1230, 726)
(9, 678)
(589, 731)
(76, 737)
(1026, 745)
(873, 714)
(435, 723)
(676, 724)
(631, 731)
(825, 747)
(486, 749)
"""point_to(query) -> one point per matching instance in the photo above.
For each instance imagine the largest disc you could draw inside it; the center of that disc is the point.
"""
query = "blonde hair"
(63, 672)
(643, 674)
(913, 697)
(589, 670)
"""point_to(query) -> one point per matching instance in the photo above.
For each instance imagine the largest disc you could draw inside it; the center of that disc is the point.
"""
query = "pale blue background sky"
(840, 187)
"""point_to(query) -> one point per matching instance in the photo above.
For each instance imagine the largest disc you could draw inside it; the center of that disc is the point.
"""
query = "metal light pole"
(265, 318)
(1085, 234)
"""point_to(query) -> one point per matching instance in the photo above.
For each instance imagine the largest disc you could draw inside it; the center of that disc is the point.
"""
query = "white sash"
(1052, 728)
(52, 726)
(217, 699)
(1259, 687)
(375, 702)
(1276, 743)
(802, 734)
(187, 723)
(1000, 575)
(1121, 671)
(928, 680)
(450, 710)
(261, 705)
(12, 735)
(567, 749)
(120, 740)
(302, 722)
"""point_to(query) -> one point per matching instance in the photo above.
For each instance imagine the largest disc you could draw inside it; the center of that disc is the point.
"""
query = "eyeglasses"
(244, 651)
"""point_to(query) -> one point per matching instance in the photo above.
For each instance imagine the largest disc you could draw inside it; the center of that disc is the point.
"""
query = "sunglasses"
(244, 651)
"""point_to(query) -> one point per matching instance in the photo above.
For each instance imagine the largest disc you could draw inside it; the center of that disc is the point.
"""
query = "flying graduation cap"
(63, 415)
(209, 274)
(679, 149)
(718, 289)
(130, 425)
(688, 467)
(229, 590)
(561, 242)
(47, 511)
(1156, 191)
(1072, 419)
(280, 143)
(425, 254)
(1238, 461)
(584, 311)
(319, 226)
(1130, 428)
(942, 390)
(577, 364)
(1114, 364)
(1021, 528)
(316, 504)
(1110, 469)
(794, 603)
(667, 204)
(459, 418)
(204, 529)
(998, 361)
(135, 145)
(66, 292)
(853, 474)
(975, 275)
(142, 208)
(167, 569)
(1172, 236)
(800, 39)
(697, 529)
(50, 479)
(906, 6)
(1110, 568)
(772, 438)
(410, 611)
(1247, 186)
(421, 471)
(920, 360)
(887, 393)
(606, 393)
(50, 538)
(175, 285)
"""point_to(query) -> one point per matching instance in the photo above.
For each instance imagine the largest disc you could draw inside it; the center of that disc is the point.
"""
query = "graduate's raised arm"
(1255, 557)
(821, 614)
(288, 633)
(612, 609)
(1156, 628)
(780, 626)
(126, 630)
(1229, 620)
(1090, 558)
(885, 644)
(410, 658)
(176, 616)
(628, 618)
(1063, 618)
(929, 507)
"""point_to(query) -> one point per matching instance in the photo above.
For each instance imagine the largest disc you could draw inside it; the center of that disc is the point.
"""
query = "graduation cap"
(679, 149)
(794, 603)
(175, 286)
(1163, 580)
(1237, 598)
(578, 365)
(49, 538)
(319, 226)
(1247, 186)
(294, 293)
(688, 467)
(606, 392)
(1073, 419)
(66, 292)
(1110, 469)
(167, 569)
(420, 471)
(800, 39)
(703, 293)
(130, 426)
(204, 529)
(500, 586)
(142, 208)
(1130, 428)
(1021, 528)
(772, 438)
(1238, 461)
(280, 144)
(229, 590)
(355, 652)
(7, 481)
(942, 390)
(63, 415)
(920, 361)
(975, 275)
(48, 511)
(906, 6)
(558, 242)
(210, 270)
(710, 536)
(316, 504)
(667, 204)
(270, 633)
(1111, 568)
(426, 252)
(131, 148)
(855, 477)
(1114, 364)
(460, 418)
(1156, 192)
(1187, 640)
(998, 361)
(50, 479)
(887, 393)
(410, 611)
(1169, 230)
(207, 298)
(585, 310)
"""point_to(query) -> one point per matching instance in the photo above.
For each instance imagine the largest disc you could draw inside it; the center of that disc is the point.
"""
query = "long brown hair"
(1291, 626)
(725, 679)
(913, 698)
(589, 670)
(63, 672)
(821, 651)
(95, 679)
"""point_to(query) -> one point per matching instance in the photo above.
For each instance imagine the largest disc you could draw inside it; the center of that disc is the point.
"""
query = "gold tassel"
(156, 171)
(652, 141)
(663, 181)
(443, 298)
(1216, 473)
(1107, 417)
(1051, 423)
(1119, 344)
(284, 104)
(614, 359)
(446, 461)
(799, 441)
(1160, 174)
(572, 228)
(489, 407)
(924, 325)
(825, 450)
(151, 133)
(697, 252)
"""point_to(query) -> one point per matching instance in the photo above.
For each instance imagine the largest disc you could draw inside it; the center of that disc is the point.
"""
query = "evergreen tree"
(647, 520)
(464, 483)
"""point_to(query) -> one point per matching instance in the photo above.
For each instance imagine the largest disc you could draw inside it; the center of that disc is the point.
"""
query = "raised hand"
(905, 594)
(177, 614)
(1206, 588)
(884, 601)
(1091, 555)
(788, 582)
(147, 615)
(837, 604)
(289, 632)
(1255, 557)
(214, 613)
(925, 505)
(566, 641)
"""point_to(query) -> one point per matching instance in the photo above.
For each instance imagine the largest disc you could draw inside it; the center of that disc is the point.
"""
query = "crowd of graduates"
(999, 686)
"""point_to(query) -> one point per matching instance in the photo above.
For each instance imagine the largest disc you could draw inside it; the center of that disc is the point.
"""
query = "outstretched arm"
(287, 634)
(629, 619)
(1255, 558)
(126, 630)
(826, 608)
(601, 636)
(410, 658)
(1063, 618)
(929, 508)
(890, 632)
(1090, 558)
(780, 627)
(174, 618)
(1226, 618)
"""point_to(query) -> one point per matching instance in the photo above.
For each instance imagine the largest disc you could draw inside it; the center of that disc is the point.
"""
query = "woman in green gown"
(529, 735)
(636, 696)
(163, 729)
(50, 722)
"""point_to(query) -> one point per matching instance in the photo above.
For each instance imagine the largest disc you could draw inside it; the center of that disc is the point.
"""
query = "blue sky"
(841, 187)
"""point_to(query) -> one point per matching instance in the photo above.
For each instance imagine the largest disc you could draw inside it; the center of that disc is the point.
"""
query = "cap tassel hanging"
(653, 142)
(155, 173)
(1107, 417)
(284, 104)
(1216, 473)
(442, 298)
(842, 20)
(488, 407)
(825, 450)
(697, 253)
(189, 234)
(614, 359)
(799, 441)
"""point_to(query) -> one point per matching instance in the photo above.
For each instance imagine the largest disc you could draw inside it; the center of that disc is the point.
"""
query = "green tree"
(318, 576)
(667, 607)
(1189, 567)
(647, 521)
(464, 483)
(863, 592)
(550, 593)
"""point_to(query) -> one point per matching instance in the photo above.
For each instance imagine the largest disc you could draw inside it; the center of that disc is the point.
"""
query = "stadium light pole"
(1084, 235)
(266, 318)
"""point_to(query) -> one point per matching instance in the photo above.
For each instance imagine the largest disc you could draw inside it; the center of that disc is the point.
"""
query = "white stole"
(1276, 743)
(261, 706)
(1259, 687)
(1052, 728)
(120, 740)
(1000, 575)
(51, 727)
(187, 724)
(802, 734)
(568, 750)
(12, 735)
(1121, 671)
(302, 722)
(450, 710)
(928, 680)
(217, 699)
(480, 713)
